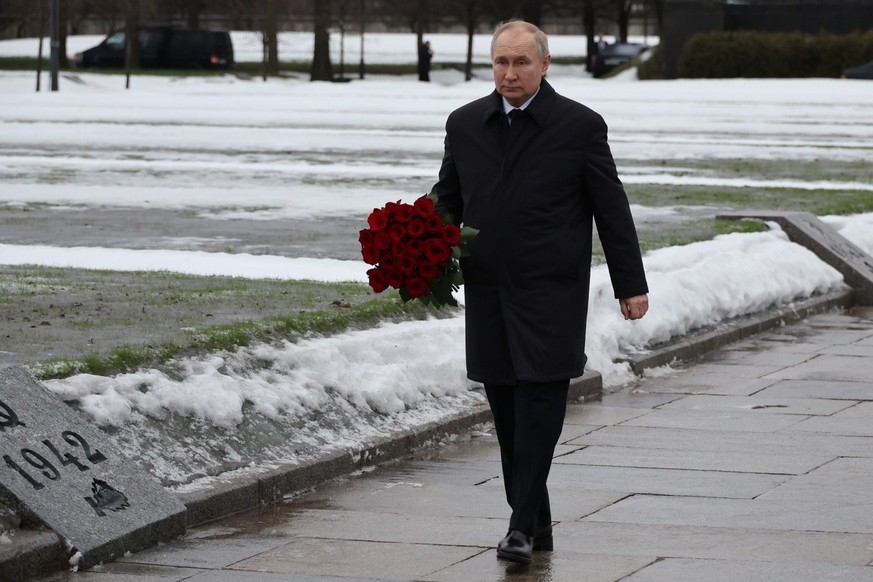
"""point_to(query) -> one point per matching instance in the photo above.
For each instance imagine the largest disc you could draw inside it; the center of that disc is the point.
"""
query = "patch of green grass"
(233, 336)
(818, 202)
(21, 64)
(744, 225)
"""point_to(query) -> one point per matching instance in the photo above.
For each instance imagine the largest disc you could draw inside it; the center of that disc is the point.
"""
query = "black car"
(860, 72)
(164, 47)
(615, 55)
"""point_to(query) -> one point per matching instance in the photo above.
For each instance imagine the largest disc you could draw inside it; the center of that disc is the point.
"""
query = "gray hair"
(540, 38)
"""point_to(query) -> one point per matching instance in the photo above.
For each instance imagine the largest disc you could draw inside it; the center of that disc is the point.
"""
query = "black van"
(164, 47)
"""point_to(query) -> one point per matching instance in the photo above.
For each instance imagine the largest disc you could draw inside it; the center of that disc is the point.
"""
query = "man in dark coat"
(530, 169)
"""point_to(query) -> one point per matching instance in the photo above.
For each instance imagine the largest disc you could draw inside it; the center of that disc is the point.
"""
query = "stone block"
(58, 470)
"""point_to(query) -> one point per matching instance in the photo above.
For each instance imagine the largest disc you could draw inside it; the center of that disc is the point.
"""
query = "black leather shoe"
(543, 541)
(515, 547)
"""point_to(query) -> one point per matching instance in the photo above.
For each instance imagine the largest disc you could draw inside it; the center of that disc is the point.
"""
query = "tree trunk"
(131, 37)
(472, 12)
(589, 24)
(321, 67)
(420, 28)
(63, 61)
(532, 11)
(623, 14)
(271, 40)
(193, 7)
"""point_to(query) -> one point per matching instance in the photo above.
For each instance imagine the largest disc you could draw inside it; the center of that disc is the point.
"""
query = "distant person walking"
(531, 169)
(425, 55)
(600, 44)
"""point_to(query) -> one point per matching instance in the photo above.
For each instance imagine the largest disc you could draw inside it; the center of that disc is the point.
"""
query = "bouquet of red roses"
(415, 250)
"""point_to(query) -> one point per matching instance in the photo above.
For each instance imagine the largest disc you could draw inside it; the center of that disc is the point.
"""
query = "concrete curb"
(698, 343)
(31, 553)
(40, 552)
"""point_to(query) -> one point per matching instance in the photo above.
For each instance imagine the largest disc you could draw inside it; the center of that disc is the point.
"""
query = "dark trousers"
(528, 418)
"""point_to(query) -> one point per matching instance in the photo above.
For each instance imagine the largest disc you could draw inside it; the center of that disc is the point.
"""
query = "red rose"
(398, 249)
(397, 232)
(370, 254)
(451, 234)
(424, 207)
(404, 212)
(433, 224)
(377, 280)
(390, 209)
(406, 265)
(378, 219)
(393, 276)
(416, 227)
(414, 248)
(365, 237)
(428, 271)
(416, 287)
(436, 251)
(382, 240)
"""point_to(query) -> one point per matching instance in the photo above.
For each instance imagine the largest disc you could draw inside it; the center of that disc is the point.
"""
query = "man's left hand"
(634, 307)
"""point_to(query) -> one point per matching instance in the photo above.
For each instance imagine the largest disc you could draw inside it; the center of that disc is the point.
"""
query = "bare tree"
(131, 39)
(193, 9)
(622, 18)
(270, 36)
(468, 13)
(321, 67)
(657, 7)
(532, 11)
(503, 10)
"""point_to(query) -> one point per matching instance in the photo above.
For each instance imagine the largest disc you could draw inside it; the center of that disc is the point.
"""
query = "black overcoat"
(532, 189)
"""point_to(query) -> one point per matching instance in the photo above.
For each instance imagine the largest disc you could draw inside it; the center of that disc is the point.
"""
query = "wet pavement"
(753, 463)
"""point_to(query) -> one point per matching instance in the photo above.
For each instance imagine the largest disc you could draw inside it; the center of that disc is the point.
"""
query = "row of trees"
(27, 18)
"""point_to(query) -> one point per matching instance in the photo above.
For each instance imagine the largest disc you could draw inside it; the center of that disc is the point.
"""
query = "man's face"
(517, 67)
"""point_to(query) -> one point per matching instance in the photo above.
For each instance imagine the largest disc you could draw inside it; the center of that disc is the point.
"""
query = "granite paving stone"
(565, 566)
(718, 441)
(833, 483)
(663, 481)
(852, 421)
(717, 420)
(685, 570)
(206, 552)
(713, 542)
(124, 572)
(859, 349)
(383, 561)
(754, 355)
(375, 526)
(829, 368)
(598, 414)
(846, 517)
(761, 403)
(718, 381)
(749, 461)
(823, 389)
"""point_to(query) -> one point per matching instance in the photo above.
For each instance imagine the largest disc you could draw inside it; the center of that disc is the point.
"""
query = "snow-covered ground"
(227, 148)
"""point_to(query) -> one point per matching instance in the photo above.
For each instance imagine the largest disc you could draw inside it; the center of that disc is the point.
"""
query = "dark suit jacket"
(532, 191)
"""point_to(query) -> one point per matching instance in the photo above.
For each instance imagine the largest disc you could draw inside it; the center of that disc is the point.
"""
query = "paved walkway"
(755, 463)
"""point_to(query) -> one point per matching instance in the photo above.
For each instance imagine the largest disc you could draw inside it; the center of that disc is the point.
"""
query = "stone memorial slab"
(806, 229)
(59, 470)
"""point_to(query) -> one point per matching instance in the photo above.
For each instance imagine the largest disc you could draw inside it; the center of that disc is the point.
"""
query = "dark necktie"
(511, 114)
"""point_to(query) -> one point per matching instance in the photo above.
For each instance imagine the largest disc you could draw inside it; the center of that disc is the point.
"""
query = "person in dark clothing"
(425, 55)
(531, 169)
